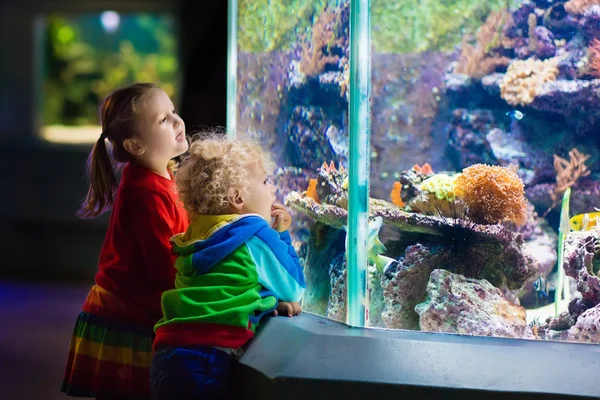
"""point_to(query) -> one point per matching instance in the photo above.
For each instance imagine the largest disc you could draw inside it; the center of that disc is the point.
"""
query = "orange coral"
(594, 59)
(395, 194)
(327, 34)
(425, 169)
(311, 191)
(493, 194)
(578, 7)
(480, 60)
(567, 173)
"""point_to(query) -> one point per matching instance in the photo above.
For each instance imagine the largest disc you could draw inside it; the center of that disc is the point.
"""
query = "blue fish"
(515, 114)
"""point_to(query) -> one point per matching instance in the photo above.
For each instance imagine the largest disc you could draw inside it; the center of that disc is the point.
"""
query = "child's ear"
(234, 197)
(133, 147)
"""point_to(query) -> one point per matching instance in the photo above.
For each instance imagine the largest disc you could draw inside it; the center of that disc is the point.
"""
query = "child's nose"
(178, 121)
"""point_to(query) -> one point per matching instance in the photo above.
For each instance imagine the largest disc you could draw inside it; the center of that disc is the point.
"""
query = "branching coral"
(594, 58)
(578, 7)
(493, 194)
(568, 172)
(480, 60)
(525, 78)
(327, 44)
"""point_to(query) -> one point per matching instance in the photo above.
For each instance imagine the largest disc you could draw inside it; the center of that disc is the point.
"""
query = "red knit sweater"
(136, 260)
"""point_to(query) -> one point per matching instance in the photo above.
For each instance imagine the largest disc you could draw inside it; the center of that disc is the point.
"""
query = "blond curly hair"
(215, 164)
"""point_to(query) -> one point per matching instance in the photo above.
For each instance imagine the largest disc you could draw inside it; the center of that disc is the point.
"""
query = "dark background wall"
(42, 184)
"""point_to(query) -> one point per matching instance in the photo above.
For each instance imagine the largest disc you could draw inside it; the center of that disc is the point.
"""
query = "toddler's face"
(261, 192)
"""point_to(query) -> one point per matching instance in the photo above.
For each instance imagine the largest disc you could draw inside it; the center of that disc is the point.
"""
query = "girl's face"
(261, 193)
(161, 132)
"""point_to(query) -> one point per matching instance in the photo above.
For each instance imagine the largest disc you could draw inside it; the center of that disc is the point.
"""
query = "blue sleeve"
(277, 264)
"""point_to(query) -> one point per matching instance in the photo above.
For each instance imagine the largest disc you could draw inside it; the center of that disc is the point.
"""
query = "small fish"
(516, 114)
(540, 285)
(311, 191)
(395, 194)
(584, 222)
(535, 327)
(374, 246)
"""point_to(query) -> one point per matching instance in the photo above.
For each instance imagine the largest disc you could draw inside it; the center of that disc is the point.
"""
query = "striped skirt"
(108, 359)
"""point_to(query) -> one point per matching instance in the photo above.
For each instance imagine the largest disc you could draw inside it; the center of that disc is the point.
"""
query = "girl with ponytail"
(111, 348)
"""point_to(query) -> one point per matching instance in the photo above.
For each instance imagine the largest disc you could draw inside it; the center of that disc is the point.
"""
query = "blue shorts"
(201, 372)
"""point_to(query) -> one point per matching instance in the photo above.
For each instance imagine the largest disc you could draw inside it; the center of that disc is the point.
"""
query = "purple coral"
(545, 47)
(521, 20)
(590, 23)
(578, 263)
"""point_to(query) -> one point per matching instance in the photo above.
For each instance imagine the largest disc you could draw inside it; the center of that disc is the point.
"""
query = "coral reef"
(580, 250)
(521, 88)
(483, 59)
(338, 298)
(582, 319)
(584, 196)
(568, 172)
(401, 286)
(404, 287)
(594, 58)
(586, 329)
(505, 262)
(436, 197)
(524, 80)
(329, 41)
(493, 194)
(456, 304)
(579, 6)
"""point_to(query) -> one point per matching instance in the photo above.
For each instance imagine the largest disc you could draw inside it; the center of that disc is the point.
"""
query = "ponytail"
(118, 112)
(103, 183)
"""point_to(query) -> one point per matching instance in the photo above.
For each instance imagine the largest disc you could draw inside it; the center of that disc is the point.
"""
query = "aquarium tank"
(84, 56)
(440, 159)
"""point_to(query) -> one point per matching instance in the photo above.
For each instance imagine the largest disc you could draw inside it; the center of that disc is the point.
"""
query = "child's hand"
(282, 220)
(289, 309)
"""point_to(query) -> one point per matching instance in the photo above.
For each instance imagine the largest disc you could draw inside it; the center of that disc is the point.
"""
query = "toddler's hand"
(282, 220)
(289, 309)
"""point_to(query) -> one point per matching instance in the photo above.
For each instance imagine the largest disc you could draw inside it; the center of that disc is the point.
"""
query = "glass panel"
(292, 96)
(358, 171)
(86, 56)
(484, 126)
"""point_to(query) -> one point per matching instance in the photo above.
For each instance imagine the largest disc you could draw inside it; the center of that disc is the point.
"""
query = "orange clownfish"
(395, 194)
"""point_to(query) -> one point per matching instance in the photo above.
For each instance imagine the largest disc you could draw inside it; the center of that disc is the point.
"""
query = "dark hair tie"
(103, 136)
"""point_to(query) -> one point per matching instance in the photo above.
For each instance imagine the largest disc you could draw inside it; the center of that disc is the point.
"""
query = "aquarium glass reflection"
(85, 56)
(484, 174)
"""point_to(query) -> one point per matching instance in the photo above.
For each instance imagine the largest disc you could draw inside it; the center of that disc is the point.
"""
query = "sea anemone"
(454, 242)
